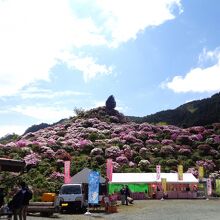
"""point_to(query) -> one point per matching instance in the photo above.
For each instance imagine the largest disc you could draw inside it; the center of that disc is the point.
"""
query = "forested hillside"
(201, 112)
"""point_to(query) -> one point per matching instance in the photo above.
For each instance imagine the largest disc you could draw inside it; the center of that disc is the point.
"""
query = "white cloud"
(34, 92)
(200, 79)
(34, 34)
(125, 19)
(87, 65)
(46, 114)
(9, 129)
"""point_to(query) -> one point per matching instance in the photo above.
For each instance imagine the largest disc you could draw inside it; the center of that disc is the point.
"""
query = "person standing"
(2, 197)
(127, 194)
(27, 196)
(122, 192)
(15, 204)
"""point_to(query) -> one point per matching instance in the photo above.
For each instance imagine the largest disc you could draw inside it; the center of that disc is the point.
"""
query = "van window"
(74, 189)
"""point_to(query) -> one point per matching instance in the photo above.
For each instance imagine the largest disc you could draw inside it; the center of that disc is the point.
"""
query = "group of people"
(19, 203)
(126, 195)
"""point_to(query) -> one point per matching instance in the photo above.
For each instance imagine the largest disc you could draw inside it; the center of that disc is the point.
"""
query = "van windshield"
(76, 189)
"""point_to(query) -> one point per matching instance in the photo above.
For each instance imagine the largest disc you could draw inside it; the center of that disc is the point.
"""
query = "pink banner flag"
(109, 169)
(66, 171)
(158, 172)
(209, 187)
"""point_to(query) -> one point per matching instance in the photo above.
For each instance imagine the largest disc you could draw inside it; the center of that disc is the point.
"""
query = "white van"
(72, 197)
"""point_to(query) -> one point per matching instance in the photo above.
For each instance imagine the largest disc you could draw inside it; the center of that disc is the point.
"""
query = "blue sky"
(152, 55)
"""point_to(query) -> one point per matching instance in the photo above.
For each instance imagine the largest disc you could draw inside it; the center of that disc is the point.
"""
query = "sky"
(59, 55)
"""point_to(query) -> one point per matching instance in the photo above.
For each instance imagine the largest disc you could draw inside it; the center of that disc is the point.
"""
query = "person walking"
(122, 192)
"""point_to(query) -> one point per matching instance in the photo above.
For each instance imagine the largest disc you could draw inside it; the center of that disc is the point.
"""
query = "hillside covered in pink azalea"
(91, 137)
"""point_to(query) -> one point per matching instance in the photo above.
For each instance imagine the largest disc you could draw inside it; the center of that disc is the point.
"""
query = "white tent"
(124, 178)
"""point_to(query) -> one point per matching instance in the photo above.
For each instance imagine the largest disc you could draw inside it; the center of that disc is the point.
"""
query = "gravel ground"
(153, 210)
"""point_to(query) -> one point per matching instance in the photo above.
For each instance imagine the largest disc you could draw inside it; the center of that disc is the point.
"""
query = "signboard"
(209, 186)
(201, 172)
(158, 172)
(109, 169)
(66, 171)
(93, 196)
(164, 184)
(180, 172)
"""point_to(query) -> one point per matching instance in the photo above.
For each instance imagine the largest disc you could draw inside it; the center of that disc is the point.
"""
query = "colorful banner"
(93, 196)
(158, 172)
(67, 177)
(164, 184)
(180, 172)
(201, 172)
(209, 186)
(217, 186)
(109, 169)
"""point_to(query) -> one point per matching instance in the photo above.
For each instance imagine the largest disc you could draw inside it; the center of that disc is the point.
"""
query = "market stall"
(147, 185)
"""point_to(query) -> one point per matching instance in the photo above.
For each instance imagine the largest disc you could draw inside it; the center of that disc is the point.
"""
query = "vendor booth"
(147, 185)
(82, 177)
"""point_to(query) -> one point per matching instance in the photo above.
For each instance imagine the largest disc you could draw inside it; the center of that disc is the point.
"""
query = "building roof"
(11, 165)
(83, 176)
(151, 178)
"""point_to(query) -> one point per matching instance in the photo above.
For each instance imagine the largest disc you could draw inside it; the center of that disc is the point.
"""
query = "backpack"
(28, 194)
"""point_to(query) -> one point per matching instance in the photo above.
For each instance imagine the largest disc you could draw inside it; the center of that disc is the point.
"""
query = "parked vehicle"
(72, 197)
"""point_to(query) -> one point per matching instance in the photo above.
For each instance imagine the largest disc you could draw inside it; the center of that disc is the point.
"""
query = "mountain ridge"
(195, 113)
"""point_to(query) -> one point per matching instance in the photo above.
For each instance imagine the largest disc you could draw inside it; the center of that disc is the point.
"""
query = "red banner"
(66, 171)
(109, 169)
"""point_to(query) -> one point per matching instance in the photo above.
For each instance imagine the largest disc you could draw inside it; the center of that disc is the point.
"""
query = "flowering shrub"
(63, 155)
(143, 152)
(208, 165)
(194, 171)
(32, 159)
(112, 152)
(184, 151)
(132, 164)
(116, 166)
(204, 147)
(96, 151)
(143, 165)
(21, 143)
(122, 159)
(127, 151)
(216, 139)
(57, 176)
(152, 142)
(11, 144)
(183, 139)
(167, 150)
(166, 142)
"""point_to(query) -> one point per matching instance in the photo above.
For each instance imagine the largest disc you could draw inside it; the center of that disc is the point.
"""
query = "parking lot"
(153, 210)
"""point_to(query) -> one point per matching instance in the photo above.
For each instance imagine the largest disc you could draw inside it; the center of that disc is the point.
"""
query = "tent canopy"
(83, 176)
(11, 165)
(151, 178)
